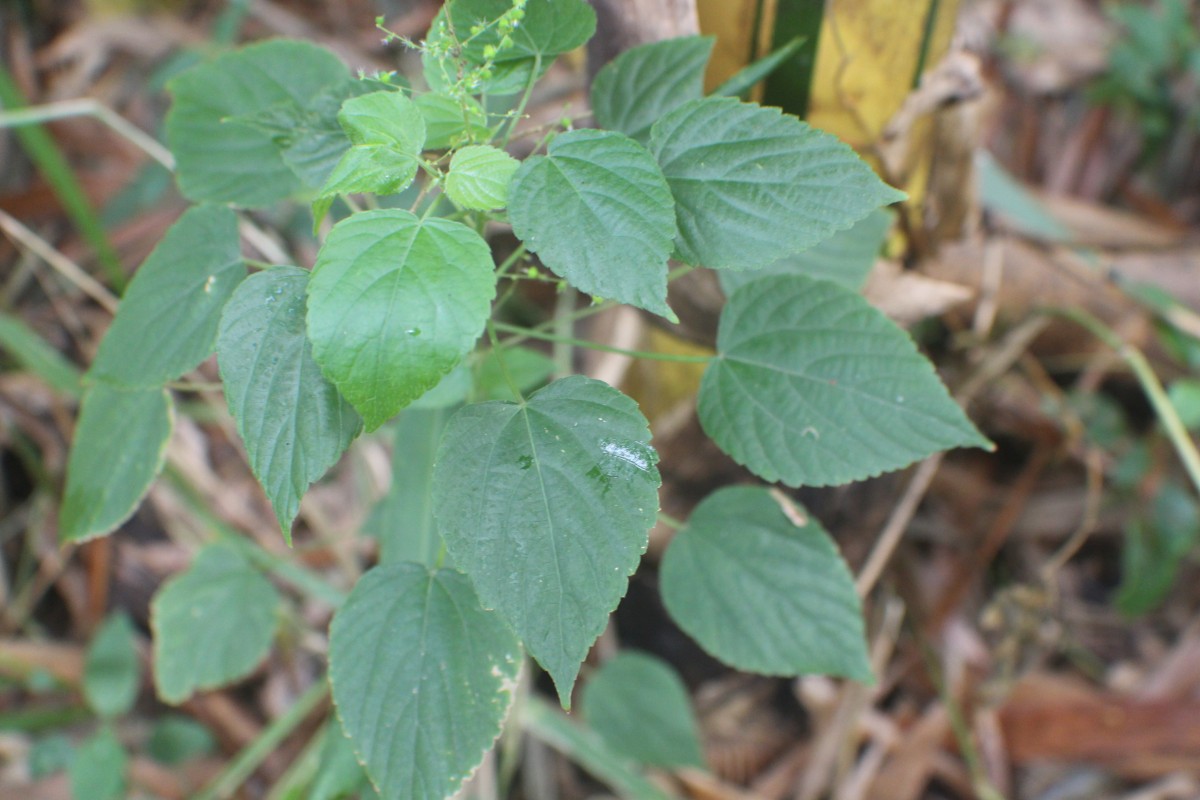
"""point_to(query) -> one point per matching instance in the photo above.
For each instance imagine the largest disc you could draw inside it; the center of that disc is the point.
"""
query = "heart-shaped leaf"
(394, 303)
(598, 212)
(422, 677)
(546, 506)
(813, 386)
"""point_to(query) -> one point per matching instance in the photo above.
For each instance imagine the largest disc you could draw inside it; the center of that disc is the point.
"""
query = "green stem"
(671, 522)
(563, 351)
(520, 111)
(1175, 429)
(533, 333)
(513, 258)
(252, 756)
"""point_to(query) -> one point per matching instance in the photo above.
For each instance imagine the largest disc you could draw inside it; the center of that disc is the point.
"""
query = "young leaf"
(422, 678)
(752, 185)
(640, 707)
(212, 624)
(112, 672)
(293, 421)
(226, 161)
(598, 212)
(387, 133)
(394, 303)
(812, 386)
(549, 27)
(546, 506)
(449, 120)
(167, 322)
(479, 176)
(98, 770)
(645, 82)
(175, 739)
(118, 448)
(763, 593)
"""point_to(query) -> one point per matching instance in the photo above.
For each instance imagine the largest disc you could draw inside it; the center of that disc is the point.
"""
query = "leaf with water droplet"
(548, 511)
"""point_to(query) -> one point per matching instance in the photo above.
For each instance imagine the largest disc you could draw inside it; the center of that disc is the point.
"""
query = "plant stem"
(520, 111)
(533, 333)
(1175, 429)
(563, 351)
(249, 759)
(498, 349)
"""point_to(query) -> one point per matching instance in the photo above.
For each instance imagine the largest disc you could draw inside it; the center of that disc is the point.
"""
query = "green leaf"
(394, 303)
(339, 775)
(846, 258)
(546, 506)
(422, 677)
(98, 770)
(550, 27)
(403, 520)
(118, 448)
(293, 421)
(449, 121)
(226, 161)
(597, 210)
(763, 593)
(212, 624)
(32, 352)
(752, 185)
(50, 754)
(645, 82)
(640, 707)
(167, 322)
(387, 132)
(812, 386)
(112, 672)
(175, 739)
(1185, 396)
(479, 176)
(310, 138)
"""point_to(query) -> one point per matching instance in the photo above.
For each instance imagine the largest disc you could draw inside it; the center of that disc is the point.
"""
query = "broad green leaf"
(812, 386)
(32, 352)
(212, 624)
(763, 593)
(546, 506)
(309, 136)
(447, 120)
(112, 672)
(226, 161)
(752, 185)
(167, 321)
(175, 739)
(549, 27)
(640, 707)
(387, 134)
(98, 770)
(394, 303)
(422, 678)
(339, 775)
(118, 448)
(403, 520)
(846, 258)
(597, 210)
(293, 421)
(479, 176)
(645, 82)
